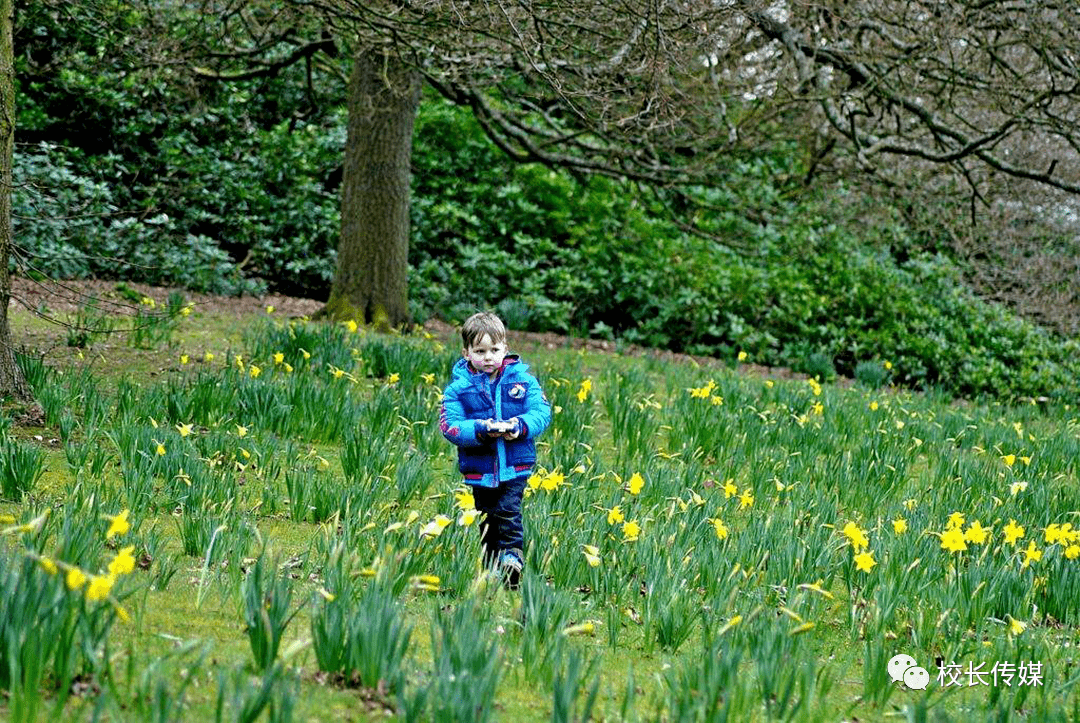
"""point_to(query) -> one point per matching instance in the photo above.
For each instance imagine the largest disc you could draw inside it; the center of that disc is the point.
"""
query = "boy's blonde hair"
(482, 324)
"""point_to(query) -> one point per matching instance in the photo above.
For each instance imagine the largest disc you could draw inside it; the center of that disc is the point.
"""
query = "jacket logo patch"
(517, 391)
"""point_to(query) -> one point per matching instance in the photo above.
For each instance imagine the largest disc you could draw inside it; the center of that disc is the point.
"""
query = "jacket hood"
(512, 364)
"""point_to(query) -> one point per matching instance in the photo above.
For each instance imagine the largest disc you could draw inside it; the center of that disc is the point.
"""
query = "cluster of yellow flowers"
(547, 481)
(98, 587)
(860, 544)
(956, 538)
(706, 392)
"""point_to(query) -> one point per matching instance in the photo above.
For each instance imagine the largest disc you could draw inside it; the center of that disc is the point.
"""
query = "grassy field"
(242, 518)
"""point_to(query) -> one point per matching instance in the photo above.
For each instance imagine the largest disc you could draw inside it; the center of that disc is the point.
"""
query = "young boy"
(493, 410)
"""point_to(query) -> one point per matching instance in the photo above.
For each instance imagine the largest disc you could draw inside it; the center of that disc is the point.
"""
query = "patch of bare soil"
(549, 340)
(68, 296)
(65, 297)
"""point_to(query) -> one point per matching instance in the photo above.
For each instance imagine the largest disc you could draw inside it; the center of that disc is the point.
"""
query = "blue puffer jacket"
(470, 397)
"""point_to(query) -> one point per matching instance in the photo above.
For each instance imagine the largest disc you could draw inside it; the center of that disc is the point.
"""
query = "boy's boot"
(512, 562)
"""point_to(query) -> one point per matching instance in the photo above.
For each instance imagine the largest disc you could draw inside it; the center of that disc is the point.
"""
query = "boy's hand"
(514, 430)
(488, 428)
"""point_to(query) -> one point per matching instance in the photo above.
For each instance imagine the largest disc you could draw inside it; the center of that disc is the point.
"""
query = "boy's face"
(485, 355)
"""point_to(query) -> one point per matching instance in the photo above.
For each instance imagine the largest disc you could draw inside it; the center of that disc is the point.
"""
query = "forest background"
(135, 166)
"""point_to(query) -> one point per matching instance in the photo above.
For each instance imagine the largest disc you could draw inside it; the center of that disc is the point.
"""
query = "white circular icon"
(916, 678)
(900, 663)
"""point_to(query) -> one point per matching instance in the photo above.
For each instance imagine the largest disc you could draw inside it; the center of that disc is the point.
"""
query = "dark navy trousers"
(501, 525)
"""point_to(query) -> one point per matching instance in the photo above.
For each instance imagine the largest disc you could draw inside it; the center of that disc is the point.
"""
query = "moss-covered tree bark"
(12, 382)
(370, 283)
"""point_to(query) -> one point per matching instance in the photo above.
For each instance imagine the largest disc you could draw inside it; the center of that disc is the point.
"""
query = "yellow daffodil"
(48, 565)
(305, 353)
(1009, 460)
(279, 357)
(873, 406)
(183, 358)
(730, 490)
(270, 309)
(856, 536)
(428, 378)
(288, 368)
(953, 540)
(1072, 552)
(99, 588)
(351, 325)
(592, 555)
(583, 393)
(465, 500)
(1017, 487)
(956, 520)
(254, 371)
(1016, 627)
(585, 628)
(976, 533)
(742, 356)
(1058, 533)
(720, 528)
(208, 357)
(1013, 532)
(614, 515)
(899, 525)
(635, 483)
(160, 449)
(184, 429)
(746, 499)
(735, 620)
(467, 517)
(124, 562)
(393, 378)
(186, 310)
(1031, 554)
(435, 527)
(75, 578)
(552, 480)
(888, 365)
(865, 561)
(631, 530)
(119, 525)
(241, 431)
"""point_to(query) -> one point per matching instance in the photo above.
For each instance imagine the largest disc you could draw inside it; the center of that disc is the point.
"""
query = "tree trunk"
(12, 382)
(371, 279)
